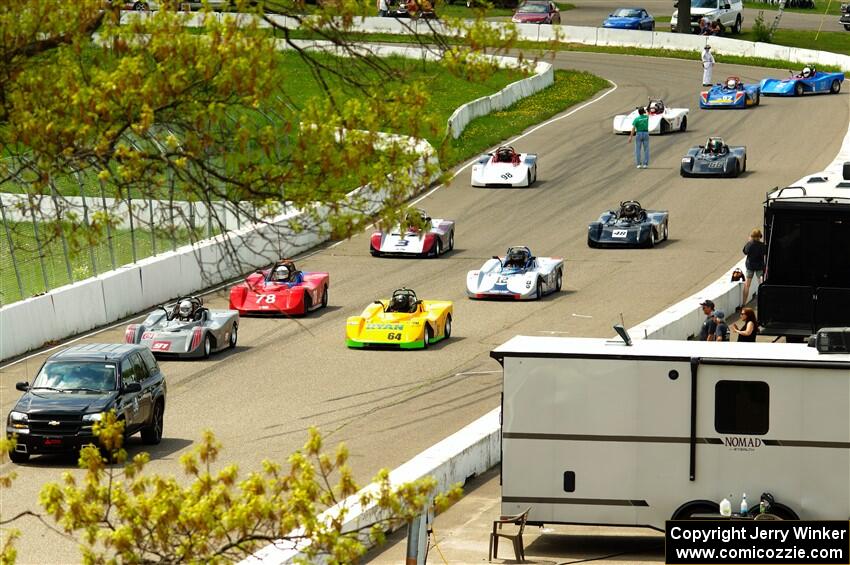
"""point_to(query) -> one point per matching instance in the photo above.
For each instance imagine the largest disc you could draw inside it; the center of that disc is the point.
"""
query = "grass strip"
(570, 88)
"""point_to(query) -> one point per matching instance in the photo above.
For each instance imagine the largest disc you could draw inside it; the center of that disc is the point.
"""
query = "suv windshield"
(533, 8)
(626, 13)
(703, 3)
(76, 375)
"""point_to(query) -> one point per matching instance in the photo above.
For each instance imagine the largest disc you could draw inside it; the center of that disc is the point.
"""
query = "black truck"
(76, 387)
(807, 275)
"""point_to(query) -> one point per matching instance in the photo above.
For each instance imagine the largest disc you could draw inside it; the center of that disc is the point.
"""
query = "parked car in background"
(845, 16)
(537, 12)
(630, 18)
(730, 14)
(76, 387)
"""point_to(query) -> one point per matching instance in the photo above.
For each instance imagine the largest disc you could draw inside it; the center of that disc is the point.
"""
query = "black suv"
(845, 16)
(75, 387)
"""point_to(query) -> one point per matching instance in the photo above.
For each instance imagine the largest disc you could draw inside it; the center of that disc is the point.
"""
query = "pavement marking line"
(317, 251)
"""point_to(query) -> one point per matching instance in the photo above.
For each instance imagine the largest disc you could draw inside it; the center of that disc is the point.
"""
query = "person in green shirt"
(640, 131)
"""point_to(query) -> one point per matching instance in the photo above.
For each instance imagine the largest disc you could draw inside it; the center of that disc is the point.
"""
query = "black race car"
(628, 226)
(714, 159)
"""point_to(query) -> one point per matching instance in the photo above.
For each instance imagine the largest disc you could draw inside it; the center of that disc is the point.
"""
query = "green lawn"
(820, 7)
(834, 41)
(446, 91)
(55, 269)
(570, 88)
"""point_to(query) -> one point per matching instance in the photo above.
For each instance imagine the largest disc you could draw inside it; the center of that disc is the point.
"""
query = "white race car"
(438, 237)
(661, 118)
(505, 168)
(520, 275)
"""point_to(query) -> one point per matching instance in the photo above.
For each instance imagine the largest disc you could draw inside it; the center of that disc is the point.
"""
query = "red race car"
(280, 290)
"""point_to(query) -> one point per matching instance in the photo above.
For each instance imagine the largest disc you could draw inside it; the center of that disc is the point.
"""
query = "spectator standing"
(749, 329)
(383, 9)
(640, 131)
(721, 330)
(704, 28)
(709, 325)
(755, 250)
(707, 65)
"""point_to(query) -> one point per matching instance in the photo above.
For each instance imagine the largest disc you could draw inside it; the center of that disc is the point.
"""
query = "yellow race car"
(403, 322)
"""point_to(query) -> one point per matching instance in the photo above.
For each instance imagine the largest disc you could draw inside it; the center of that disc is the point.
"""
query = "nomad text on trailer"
(807, 279)
(597, 432)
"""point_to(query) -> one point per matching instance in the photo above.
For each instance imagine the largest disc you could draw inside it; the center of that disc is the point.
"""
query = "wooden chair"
(516, 539)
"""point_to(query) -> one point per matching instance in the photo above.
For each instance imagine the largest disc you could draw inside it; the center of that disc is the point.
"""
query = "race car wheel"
(207, 346)
(744, 168)
(665, 127)
(308, 303)
(539, 289)
(666, 233)
(429, 335)
(447, 330)
(325, 297)
(232, 343)
(591, 243)
(736, 170)
(19, 457)
(835, 87)
(451, 241)
(437, 250)
(758, 99)
(559, 280)
(152, 434)
(684, 125)
(528, 179)
(798, 89)
(653, 238)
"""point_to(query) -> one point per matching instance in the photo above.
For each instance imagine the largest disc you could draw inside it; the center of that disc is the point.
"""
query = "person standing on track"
(640, 131)
(707, 65)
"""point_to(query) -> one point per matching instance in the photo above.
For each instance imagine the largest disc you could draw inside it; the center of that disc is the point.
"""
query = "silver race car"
(520, 275)
(437, 237)
(714, 159)
(186, 329)
(505, 168)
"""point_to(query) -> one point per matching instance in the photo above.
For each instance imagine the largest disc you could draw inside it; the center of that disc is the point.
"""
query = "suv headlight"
(18, 420)
(96, 417)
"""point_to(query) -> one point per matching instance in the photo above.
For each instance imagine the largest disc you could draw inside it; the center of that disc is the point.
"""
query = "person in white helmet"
(282, 273)
(185, 311)
(707, 65)
(807, 72)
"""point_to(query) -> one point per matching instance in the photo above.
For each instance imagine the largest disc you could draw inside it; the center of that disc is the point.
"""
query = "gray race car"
(186, 328)
(714, 159)
(628, 226)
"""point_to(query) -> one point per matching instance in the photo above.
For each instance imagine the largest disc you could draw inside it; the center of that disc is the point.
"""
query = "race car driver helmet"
(629, 210)
(731, 83)
(281, 273)
(716, 146)
(185, 310)
(516, 258)
(807, 72)
(401, 303)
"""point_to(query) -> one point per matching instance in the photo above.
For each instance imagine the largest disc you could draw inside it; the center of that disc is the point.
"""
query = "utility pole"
(683, 15)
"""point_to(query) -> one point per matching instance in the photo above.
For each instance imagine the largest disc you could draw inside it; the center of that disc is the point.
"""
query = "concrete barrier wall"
(467, 453)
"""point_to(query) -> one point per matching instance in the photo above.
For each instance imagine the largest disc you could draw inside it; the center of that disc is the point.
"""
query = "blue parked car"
(810, 80)
(630, 18)
(730, 94)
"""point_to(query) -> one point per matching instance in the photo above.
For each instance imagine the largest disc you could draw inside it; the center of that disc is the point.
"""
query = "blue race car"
(731, 94)
(810, 80)
(630, 18)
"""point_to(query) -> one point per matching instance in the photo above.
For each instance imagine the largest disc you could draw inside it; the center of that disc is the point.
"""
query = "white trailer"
(597, 432)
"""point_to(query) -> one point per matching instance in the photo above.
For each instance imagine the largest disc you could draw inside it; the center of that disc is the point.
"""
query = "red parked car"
(537, 12)
(280, 290)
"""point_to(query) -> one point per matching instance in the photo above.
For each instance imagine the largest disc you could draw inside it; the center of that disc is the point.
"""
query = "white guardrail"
(76, 308)
(680, 321)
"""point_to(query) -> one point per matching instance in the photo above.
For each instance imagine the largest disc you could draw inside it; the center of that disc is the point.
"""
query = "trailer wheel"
(689, 509)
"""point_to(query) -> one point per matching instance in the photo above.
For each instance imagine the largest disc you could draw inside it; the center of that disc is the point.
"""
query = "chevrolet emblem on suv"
(53, 423)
